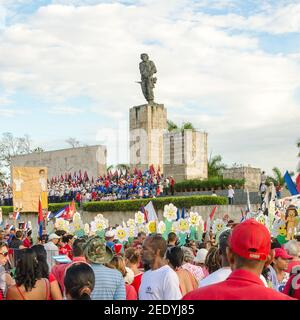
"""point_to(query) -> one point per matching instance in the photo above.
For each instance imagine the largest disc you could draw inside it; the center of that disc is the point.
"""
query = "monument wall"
(91, 159)
(147, 125)
(185, 155)
(251, 176)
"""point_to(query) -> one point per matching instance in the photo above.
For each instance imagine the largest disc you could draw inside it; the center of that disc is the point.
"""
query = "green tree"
(187, 126)
(215, 166)
(278, 176)
(172, 126)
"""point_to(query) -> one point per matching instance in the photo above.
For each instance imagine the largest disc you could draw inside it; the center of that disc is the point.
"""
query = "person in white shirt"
(230, 194)
(223, 273)
(52, 249)
(160, 282)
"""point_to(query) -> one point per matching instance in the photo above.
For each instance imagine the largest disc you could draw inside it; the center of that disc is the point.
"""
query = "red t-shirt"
(137, 282)
(291, 265)
(240, 285)
(295, 293)
(130, 292)
(26, 243)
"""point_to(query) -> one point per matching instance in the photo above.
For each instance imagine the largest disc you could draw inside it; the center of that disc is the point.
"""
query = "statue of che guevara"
(147, 69)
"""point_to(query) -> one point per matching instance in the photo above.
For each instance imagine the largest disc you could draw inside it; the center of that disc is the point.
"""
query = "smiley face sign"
(121, 234)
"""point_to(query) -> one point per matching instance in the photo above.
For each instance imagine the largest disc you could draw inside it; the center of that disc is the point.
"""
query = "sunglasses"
(4, 254)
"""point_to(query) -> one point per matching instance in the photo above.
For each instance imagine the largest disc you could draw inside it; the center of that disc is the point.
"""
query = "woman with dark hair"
(28, 285)
(66, 245)
(5, 278)
(187, 282)
(79, 282)
(43, 271)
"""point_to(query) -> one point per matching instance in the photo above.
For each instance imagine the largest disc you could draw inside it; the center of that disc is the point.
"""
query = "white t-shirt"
(230, 193)
(221, 275)
(215, 277)
(160, 284)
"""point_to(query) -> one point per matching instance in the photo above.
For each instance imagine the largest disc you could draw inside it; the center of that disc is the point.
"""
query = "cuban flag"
(60, 213)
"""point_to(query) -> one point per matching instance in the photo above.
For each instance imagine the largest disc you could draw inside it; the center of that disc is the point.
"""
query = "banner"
(29, 184)
(290, 184)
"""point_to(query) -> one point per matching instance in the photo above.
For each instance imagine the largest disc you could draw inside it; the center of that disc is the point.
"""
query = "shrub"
(53, 207)
(158, 203)
(211, 183)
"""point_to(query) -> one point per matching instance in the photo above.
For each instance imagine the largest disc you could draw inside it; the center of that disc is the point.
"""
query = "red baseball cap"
(281, 253)
(250, 240)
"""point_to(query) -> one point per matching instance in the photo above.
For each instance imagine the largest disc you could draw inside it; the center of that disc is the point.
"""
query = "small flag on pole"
(40, 218)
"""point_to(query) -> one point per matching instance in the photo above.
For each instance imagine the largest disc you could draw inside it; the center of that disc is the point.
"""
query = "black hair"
(67, 238)
(41, 255)
(26, 269)
(19, 234)
(78, 247)
(275, 244)
(172, 236)
(60, 233)
(78, 276)
(175, 256)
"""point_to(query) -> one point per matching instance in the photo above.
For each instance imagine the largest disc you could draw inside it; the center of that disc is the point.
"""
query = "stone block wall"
(185, 155)
(251, 176)
(91, 159)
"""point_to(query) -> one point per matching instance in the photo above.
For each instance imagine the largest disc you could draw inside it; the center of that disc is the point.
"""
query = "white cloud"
(10, 113)
(65, 110)
(222, 82)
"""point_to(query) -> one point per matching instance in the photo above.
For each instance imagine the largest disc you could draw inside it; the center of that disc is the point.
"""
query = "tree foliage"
(11, 146)
(215, 166)
(172, 126)
(73, 142)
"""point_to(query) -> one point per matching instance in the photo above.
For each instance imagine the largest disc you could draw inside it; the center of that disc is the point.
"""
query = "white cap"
(201, 255)
(53, 236)
(109, 234)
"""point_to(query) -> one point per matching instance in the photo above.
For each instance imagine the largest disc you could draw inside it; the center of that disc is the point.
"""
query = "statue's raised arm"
(147, 70)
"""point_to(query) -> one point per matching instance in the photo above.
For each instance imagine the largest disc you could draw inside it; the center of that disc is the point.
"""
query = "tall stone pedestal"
(148, 123)
(185, 155)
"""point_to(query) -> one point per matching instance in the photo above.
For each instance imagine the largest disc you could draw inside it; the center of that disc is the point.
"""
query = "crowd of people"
(244, 262)
(110, 187)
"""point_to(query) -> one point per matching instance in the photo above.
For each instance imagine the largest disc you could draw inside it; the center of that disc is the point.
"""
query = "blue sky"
(68, 69)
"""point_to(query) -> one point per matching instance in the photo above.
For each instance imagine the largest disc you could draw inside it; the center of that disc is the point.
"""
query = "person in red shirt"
(248, 252)
(292, 287)
(27, 242)
(59, 270)
(66, 247)
(133, 261)
(292, 247)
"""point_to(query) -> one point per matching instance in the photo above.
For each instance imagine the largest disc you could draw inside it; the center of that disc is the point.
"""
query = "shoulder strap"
(47, 289)
(21, 294)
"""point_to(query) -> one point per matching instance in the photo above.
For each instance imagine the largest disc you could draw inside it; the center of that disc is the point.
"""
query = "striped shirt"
(109, 284)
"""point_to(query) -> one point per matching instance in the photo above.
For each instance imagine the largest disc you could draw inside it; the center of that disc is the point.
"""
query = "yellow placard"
(29, 184)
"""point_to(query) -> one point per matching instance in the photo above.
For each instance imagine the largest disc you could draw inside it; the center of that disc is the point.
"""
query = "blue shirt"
(109, 284)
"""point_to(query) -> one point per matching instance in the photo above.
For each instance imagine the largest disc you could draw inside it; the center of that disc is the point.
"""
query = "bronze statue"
(147, 69)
